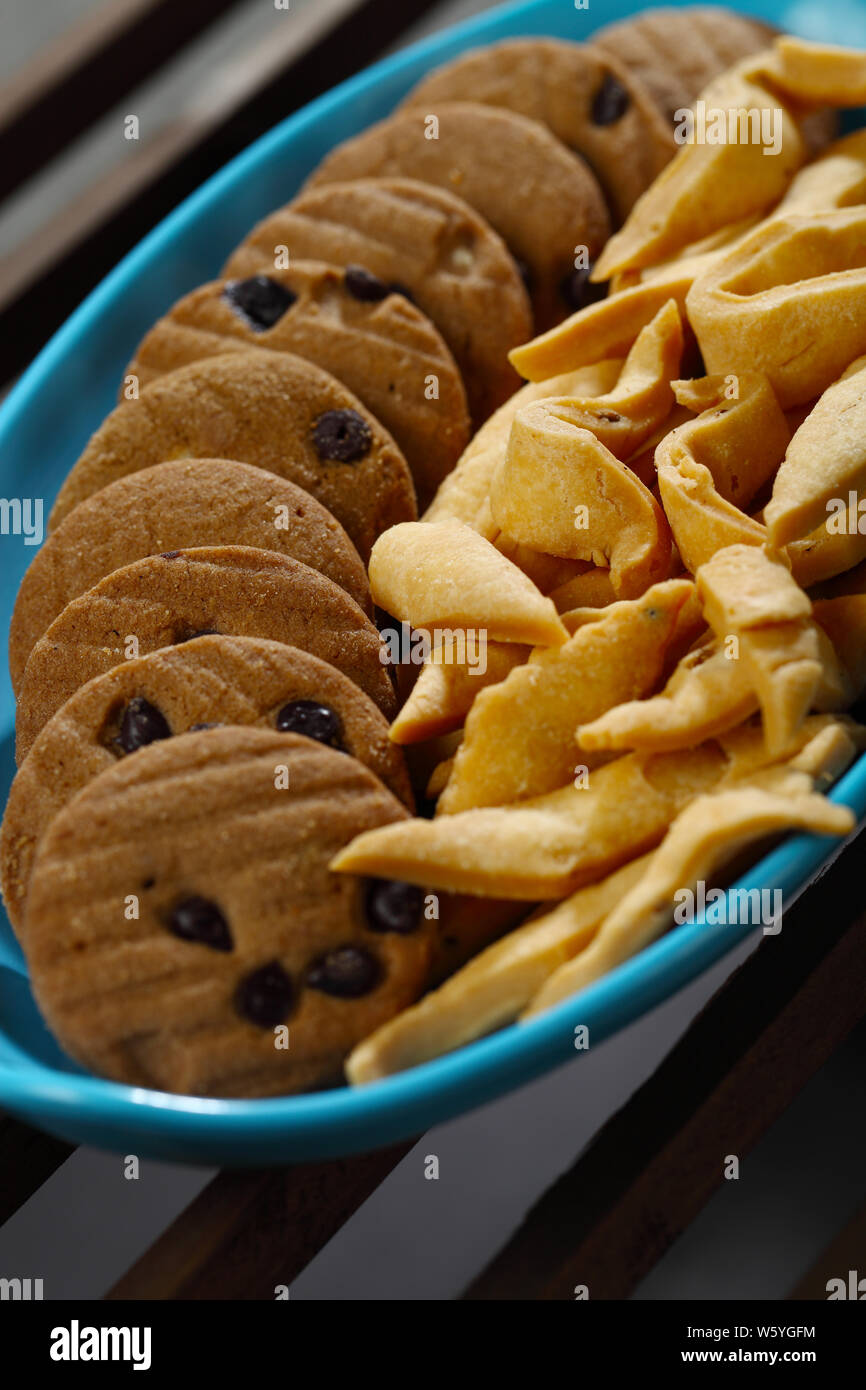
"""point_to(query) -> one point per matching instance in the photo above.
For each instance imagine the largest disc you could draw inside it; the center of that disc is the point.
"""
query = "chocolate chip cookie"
(385, 351)
(540, 197)
(274, 410)
(674, 53)
(193, 502)
(185, 933)
(409, 236)
(209, 680)
(167, 599)
(589, 100)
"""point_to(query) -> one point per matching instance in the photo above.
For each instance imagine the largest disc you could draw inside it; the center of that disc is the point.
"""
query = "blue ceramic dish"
(45, 423)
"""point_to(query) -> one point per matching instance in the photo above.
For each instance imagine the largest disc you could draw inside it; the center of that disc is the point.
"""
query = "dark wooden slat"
(846, 1251)
(248, 1232)
(27, 1159)
(88, 70)
(43, 283)
(655, 1164)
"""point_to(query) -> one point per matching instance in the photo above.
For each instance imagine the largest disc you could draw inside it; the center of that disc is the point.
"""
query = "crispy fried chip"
(444, 575)
(825, 461)
(444, 691)
(790, 300)
(550, 846)
(519, 735)
(707, 185)
(751, 600)
(494, 987)
(463, 492)
(701, 841)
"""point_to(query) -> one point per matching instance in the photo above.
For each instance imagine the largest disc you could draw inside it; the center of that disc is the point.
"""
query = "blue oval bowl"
(44, 424)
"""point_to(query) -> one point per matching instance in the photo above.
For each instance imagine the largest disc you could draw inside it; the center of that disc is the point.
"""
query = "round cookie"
(401, 233)
(210, 680)
(386, 352)
(170, 507)
(541, 198)
(675, 52)
(590, 102)
(246, 967)
(273, 410)
(167, 599)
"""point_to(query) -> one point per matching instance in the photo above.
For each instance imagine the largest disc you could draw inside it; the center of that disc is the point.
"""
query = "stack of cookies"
(202, 601)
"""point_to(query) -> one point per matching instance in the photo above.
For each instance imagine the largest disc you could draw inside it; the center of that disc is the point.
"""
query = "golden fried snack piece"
(751, 600)
(825, 460)
(549, 846)
(494, 987)
(590, 590)
(606, 329)
(626, 416)
(740, 432)
(465, 489)
(814, 73)
(712, 466)
(704, 838)
(546, 571)
(561, 491)
(710, 692)
(707, 694)
(519, 735)
(443, 694)
(790, 300)
(837, 179)
(843, 619)
(707, 186)
(442, 574)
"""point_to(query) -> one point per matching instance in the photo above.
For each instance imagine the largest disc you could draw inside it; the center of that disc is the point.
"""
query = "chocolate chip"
(265, 996)
(342, 436)
(312, 719)
(169, 555)
(347, 972)
(364, 285)
(191, 636)
(610, 102)
(393, 906)
(578, 290)
(397, 287)
(142, 723)
(259, 300)
(524, 272)
(200, 921)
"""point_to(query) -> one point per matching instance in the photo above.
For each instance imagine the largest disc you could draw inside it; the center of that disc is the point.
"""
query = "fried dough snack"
(492, 989)
(444, 575)
(790, 300)
(709, 692)
(551, 845)
(707, 186)
(443, 694)
(518, 741)
(836, 180)
(562, 949)
(700, 843)
(825, 460)
(465, 490)
(553, 467)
